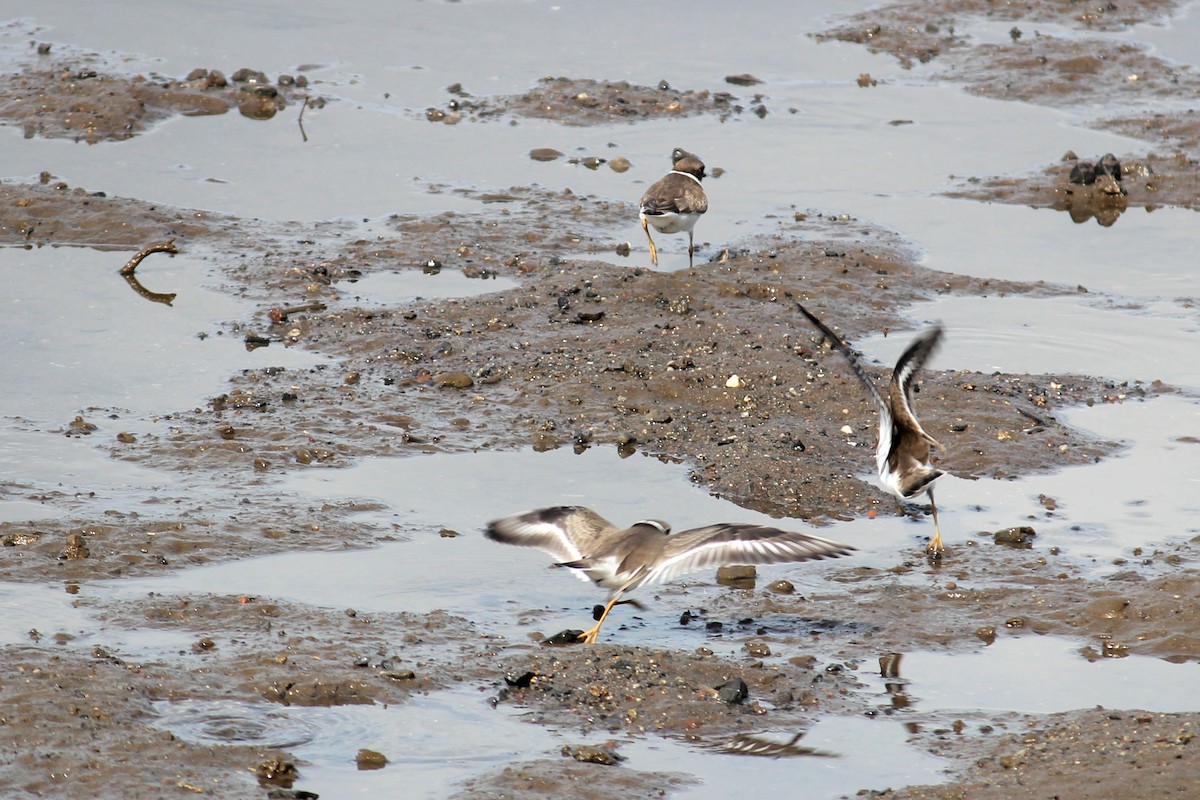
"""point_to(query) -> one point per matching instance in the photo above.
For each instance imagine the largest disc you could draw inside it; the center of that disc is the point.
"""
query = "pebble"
(76, 548)
(1019, 536)
(733, 692)
(453, 380)
(745, 79)
(544, 154)
(757, 649)
(619, 164)
(592, 755)
(733, 382)
(782, 587)
(370, 759)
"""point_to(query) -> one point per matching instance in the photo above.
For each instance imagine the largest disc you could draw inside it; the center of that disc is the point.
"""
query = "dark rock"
(568, 636)
(592, 755)
(1083, 174)
(733, 691)
(519, 681)
(745, 79)
(1020, 536)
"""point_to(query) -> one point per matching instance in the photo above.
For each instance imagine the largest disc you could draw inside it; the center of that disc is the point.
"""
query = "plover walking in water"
(675, 202)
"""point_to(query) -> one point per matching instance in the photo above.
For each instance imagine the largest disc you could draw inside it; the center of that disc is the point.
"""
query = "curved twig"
(158, 247)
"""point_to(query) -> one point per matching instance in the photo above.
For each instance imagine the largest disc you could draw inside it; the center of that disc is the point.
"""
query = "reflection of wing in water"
(745, 744)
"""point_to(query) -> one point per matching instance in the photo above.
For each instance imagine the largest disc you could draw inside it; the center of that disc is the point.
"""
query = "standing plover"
(675, 202)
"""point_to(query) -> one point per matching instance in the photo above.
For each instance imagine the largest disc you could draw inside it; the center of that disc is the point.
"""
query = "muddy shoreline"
(710, 367)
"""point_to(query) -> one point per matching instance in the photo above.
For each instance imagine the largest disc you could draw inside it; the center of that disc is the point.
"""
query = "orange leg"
(935, 547)
(653, 249)
(589, 636)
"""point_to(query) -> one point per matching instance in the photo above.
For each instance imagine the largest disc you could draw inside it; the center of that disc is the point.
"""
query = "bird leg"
(691, 249)
(589, 636)
(935, 547)
(653, 249)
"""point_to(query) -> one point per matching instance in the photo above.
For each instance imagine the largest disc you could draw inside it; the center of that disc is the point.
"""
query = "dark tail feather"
(851, 357)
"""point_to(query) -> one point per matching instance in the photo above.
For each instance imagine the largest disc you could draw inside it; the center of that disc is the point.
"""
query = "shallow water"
(993, 678)
(422, 760)
(77, 335)
(79, 342)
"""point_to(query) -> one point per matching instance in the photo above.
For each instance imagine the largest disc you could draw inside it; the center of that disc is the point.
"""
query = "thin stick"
(1032, 416)
(159, 247)
(300, 119)
(278, 315)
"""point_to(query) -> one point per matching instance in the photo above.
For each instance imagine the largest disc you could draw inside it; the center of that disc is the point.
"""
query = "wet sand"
(587, 355)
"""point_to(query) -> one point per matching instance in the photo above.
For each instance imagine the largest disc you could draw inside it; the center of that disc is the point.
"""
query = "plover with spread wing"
(904, 456)
(622, 559)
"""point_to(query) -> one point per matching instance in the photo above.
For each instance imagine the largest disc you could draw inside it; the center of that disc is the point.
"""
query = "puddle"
(78, 336)
(864, 755)
(37, 462)
(394, 288)
(423, 761)
(1145, 254)
(467, 574)
(47, 613)
(1002, 677)
(1072, 335)
(1145, 497)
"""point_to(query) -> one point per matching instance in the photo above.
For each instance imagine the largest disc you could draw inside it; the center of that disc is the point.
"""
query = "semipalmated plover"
(622, 559)
(903, 457)
(673, 203)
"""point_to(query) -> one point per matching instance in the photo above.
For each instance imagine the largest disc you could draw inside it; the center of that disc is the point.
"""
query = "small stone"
(1020, 536)
(277, 771)
(782, 587)
(20, 538)
(126, 438)
(745, 79)
(544, 154)
(204, 645)
(519, 681)
(757, 649)
(733, 692)
(370, 759)
(619, 164)
(76, 548)
(846, 429)
(569, 636)
(733, 382)
(986, 634)
(397, 674)
(453, 380)
(736, 572)
(592, 755)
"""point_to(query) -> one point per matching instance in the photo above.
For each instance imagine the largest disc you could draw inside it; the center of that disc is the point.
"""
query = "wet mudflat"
(264, 572)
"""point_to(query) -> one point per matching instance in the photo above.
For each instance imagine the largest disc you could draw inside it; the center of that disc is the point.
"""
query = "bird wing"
(907, 366)
(548, 529)
(738, 543)
(851, 357)
(675, 193)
